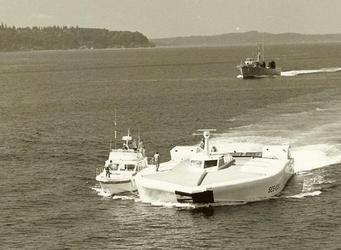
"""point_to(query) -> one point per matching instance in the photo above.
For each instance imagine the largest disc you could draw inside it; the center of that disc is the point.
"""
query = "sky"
(170, 18)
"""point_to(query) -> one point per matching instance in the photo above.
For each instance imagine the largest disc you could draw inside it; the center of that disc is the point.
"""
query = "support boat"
(120, 167)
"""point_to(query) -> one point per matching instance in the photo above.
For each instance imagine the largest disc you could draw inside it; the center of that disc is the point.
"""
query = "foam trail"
(169, 204)
(194, 205)
(123, 197)
(100, 192)
(305, 194)
(312, 185)
(314, 156)
(307, 157)
(310, 71)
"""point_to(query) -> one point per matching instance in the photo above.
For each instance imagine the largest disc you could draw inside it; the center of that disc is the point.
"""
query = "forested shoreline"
(56, 37)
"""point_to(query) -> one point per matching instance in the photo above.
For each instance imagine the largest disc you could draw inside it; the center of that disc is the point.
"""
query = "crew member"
(202, 143)
(141, 147)
(107, 171)
(156, 159)
(134, 145)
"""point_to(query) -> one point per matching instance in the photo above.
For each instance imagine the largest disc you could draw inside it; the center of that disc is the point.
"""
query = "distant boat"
(257, 67)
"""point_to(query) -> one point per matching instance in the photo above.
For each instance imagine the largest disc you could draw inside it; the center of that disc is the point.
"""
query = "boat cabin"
(117, 166)
(125, 160)
(249, 61)
(254, 61)
(211, 162)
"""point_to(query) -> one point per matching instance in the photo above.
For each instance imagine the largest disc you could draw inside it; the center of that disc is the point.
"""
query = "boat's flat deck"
(179, 175)
(244, 170)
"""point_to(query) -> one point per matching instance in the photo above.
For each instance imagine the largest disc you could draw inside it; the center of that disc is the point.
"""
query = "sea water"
(56, 123)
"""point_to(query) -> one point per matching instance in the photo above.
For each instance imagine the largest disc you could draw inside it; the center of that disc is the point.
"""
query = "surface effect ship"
(207, 176)
(257, 67)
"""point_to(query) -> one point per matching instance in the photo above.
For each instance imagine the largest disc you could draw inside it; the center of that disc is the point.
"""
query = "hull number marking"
(273, 188)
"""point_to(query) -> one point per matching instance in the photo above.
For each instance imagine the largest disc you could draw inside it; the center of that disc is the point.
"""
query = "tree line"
(56, 37)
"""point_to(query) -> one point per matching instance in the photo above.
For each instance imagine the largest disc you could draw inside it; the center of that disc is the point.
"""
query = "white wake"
(311, 157)
(307, 157)
(310, 71)
(100, 192)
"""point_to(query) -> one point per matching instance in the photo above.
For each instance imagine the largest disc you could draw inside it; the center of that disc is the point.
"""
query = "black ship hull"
(248, 72)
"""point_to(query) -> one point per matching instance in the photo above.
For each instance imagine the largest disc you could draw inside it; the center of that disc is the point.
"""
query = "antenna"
(115, 133)
(258, 54)
(263, 47)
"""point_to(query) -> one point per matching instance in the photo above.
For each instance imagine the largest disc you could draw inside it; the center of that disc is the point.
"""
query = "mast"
(206, 136)
(258, 55)
(115, 133)
(128, 138)
(263, 52)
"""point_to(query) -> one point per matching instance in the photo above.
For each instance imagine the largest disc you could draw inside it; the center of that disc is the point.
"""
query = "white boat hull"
(112, 188)
(253, 191)
(260, 189)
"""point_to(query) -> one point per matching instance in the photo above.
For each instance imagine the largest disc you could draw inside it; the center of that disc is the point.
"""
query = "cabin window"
(196, 163)
(130, 167)
(114, 166)
(221, 162)
(210, 163)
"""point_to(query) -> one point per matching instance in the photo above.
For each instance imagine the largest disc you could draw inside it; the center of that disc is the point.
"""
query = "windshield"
(129, 167)
(210, 163)
(113, 166)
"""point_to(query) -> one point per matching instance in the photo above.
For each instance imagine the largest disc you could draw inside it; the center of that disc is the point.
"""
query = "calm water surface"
(56, 117)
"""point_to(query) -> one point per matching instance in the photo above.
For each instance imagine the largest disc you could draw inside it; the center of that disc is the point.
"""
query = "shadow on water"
(202, 211)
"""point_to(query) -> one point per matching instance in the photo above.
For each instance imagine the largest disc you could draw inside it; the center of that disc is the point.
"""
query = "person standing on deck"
(134, 145)
(141, 147)
(156, 159)
(202, 143)
(107, 171)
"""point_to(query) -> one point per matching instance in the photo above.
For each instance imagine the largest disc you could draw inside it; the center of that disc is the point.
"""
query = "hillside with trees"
(55, 37)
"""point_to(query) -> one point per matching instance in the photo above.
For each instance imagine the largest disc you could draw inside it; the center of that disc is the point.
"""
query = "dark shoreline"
(174, 47)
